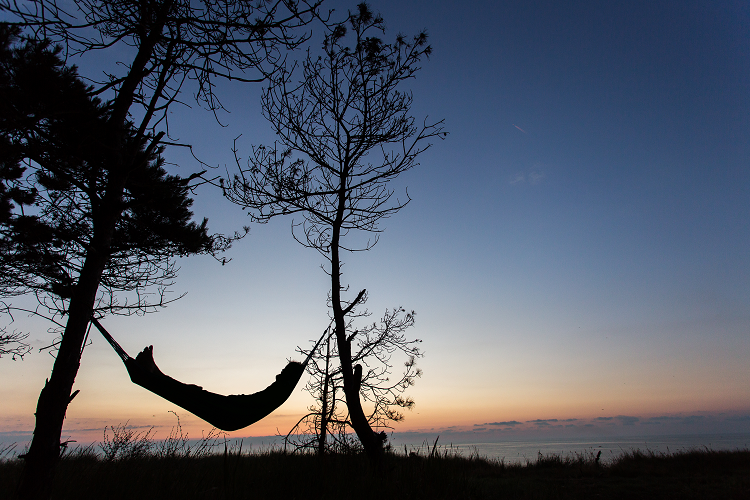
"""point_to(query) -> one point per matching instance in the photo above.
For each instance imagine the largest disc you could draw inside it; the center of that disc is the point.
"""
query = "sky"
(577, 250)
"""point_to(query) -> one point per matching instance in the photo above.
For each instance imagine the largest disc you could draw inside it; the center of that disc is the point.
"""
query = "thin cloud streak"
(706, 423)
(508, 423)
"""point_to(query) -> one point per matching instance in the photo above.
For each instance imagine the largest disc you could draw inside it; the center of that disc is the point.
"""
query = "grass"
(130, 465)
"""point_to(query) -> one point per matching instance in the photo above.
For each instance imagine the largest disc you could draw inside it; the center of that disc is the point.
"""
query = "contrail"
(519, 128)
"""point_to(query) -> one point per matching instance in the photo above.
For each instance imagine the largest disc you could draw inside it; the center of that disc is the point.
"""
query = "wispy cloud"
(534, 175)
(518, 178)
(627, 420)
(660, 420)
(543, 421)
(696, 422)
(508, 423)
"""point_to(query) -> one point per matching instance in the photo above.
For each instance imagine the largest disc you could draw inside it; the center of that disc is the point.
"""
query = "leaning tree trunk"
(44, 452)
(55, 397)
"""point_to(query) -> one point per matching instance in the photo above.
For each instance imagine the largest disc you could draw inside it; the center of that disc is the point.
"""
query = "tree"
(326, 426)
(172, 42)
(343, 133)
(73, 246)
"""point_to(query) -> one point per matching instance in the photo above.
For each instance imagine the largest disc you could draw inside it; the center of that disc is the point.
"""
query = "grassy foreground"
(84, 474)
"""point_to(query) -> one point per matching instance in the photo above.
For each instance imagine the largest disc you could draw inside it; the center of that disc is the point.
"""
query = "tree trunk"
(44, 452)
(370, 442)
(322, 434)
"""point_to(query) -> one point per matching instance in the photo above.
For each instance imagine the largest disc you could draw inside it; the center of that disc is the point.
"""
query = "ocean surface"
(511, 450)
(521, 451)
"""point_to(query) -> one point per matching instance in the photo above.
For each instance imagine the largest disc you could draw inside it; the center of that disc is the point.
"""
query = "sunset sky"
(577, 250)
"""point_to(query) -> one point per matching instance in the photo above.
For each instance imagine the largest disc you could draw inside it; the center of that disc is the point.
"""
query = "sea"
(510, 450)
(528, 450)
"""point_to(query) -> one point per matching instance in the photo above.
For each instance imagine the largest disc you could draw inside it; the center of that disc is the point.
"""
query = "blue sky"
(577, 248)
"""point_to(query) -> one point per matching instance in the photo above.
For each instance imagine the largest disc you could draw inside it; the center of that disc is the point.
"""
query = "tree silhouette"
(325, 427)
(344, 132)
(173, 43)
(75, 245)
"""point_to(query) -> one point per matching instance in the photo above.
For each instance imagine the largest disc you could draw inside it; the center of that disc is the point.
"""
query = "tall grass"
(128, 443)
(131, 464)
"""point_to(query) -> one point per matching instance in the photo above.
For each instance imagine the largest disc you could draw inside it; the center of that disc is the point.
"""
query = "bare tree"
(326, 426)
(344, 132)
(173, 43)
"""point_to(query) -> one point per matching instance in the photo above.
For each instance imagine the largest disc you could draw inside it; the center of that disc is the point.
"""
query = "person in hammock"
(145, 361)
(227, 413)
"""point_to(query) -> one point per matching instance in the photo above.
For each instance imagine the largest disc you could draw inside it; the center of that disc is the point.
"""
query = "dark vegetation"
(130, 464)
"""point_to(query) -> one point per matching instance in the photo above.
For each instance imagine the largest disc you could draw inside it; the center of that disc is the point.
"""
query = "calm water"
(513, 451)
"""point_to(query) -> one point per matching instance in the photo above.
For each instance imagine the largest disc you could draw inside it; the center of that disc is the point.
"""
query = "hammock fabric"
(227, 413)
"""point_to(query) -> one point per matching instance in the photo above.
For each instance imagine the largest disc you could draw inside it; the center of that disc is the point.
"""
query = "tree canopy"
(60, 149)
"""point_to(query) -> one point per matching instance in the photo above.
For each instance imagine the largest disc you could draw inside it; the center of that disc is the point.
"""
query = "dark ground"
(272, 475)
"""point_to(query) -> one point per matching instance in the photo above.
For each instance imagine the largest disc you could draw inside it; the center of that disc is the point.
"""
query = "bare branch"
(13, 344)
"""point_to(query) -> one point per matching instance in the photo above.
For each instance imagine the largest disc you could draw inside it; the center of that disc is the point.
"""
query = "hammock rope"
(227, 413)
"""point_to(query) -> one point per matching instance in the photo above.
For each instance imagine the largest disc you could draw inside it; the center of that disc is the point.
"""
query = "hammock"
(227, 413)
